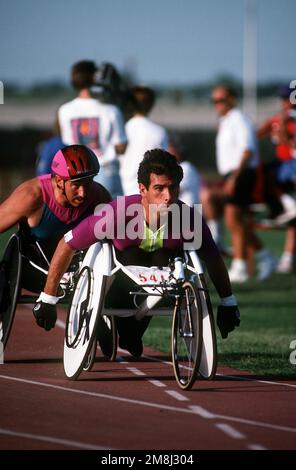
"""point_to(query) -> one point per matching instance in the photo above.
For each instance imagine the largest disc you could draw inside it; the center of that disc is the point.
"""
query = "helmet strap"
(61, 187)
(64, 192)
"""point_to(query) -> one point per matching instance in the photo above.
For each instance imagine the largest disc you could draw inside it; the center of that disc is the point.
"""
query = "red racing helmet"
(75, 162)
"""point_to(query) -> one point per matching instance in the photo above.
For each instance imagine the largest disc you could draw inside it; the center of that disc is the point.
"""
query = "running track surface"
(132, 404)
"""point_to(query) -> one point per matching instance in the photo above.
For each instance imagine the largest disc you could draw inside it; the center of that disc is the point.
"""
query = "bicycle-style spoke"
(186, 336)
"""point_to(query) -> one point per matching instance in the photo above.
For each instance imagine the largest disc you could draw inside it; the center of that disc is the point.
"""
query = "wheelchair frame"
(12, 265)
(98, 270)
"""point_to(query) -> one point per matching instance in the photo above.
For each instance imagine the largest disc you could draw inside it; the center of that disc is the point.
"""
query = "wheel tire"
(90, 360)
(84, 312)
(74, 323)
(107, 336)
(187, 335)
(106, 339)
(10, 272)
(208, 362)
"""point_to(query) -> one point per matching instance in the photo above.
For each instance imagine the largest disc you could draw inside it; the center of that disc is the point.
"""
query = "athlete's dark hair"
(160, 162)
(82, 74)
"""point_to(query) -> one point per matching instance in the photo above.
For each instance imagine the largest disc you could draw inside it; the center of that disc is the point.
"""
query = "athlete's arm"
(264, 130)
(119, 138)
(21, 204)
(213, 260)
(58, 266)
(219, 275)
(79, 238)
(120, 148)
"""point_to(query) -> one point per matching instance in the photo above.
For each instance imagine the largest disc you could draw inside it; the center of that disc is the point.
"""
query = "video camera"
(109, 86)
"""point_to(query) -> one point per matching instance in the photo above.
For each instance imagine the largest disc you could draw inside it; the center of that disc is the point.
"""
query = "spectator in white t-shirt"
(100, 126)
(237, 161)
(142, 134)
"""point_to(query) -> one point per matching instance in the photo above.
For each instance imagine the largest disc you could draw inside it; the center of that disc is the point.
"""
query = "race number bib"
(149, 275)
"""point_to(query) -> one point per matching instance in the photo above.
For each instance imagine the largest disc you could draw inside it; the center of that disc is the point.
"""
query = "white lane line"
(157, 383)
(148, 404)
(176, 395)
(249, 379)
(135, 371)
(121, 360)
(242, 378)
(196, 409)
(202, 412)
(98, 395)
(230, 431)
(53, 440)
(256, 447)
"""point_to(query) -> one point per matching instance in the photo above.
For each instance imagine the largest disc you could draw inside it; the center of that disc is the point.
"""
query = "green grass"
(268, 322)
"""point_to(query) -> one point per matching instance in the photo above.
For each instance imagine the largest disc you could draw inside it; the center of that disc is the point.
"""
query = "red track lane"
(132, 405)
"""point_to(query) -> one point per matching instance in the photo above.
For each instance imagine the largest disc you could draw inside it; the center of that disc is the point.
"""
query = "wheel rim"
(78, 318)
(85, 309)
(107, 337)
(187, 337)
(90, 358)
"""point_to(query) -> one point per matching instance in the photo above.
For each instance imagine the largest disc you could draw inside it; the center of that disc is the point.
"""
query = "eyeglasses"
(219, 100)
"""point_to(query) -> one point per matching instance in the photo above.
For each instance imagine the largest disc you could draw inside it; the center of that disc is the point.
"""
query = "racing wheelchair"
(180, 286)
(24, 265)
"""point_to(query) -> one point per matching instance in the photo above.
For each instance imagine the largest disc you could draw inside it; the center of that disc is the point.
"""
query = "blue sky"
(163, 41)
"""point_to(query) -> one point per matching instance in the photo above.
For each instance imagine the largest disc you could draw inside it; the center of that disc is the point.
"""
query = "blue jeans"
(287, 171)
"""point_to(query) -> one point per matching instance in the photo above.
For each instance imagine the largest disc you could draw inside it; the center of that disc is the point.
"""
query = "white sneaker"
(285, 265)
(238, 275)
(285, 217)
(289, 204)
(266, 266)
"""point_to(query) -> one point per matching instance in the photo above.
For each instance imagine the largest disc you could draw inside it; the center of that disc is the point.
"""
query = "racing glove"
(228, 316)
(45, 311)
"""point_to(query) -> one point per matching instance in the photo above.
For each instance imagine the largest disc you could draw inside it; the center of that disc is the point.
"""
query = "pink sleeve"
(96, 227)
(83, 235)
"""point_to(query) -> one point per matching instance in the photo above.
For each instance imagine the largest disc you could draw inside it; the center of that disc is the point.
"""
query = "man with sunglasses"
(238, 161)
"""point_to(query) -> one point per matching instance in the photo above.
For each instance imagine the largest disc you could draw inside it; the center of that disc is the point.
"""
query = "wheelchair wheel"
(107, 336)
(187, 335)
(84, 313)
(107, 340)
(208, 363)
(10, 276)
(78, 311)
(91, 357)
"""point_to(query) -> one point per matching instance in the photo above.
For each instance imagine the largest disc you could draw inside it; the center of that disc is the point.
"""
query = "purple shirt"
(122, 221)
